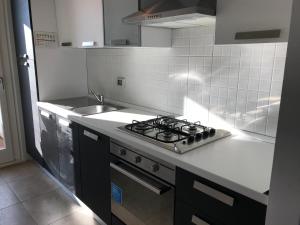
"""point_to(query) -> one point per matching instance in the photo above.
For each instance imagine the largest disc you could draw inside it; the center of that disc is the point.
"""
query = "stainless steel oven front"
(138, 196)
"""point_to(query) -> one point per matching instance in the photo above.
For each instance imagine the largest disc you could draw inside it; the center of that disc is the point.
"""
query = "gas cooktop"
(176, 135)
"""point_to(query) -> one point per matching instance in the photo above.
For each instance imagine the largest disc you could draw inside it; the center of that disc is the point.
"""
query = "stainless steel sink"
(95, 109)
(85, 106)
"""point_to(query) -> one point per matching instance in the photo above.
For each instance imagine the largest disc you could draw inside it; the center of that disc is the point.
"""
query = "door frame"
(12, 86)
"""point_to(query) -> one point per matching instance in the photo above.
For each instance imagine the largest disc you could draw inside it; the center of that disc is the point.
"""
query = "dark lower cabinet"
(57, 147)
(92, 163)
(209, 203)
(49, 141)
(187, 215)
(116, 221)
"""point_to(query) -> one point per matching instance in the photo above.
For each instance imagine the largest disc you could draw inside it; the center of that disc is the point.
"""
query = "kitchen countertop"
(241, 162)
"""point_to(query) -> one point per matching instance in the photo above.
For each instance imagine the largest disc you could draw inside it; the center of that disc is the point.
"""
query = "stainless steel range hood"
(175, 14)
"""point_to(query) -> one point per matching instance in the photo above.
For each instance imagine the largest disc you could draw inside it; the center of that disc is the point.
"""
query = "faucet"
(99, 98)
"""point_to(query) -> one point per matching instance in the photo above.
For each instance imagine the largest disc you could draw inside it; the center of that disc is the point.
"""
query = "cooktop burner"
(173, 134)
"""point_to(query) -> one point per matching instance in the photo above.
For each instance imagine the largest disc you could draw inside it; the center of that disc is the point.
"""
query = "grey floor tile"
(7, 197)
(20, 171)
(2, 181)
(32, 186)
(15, 215)
(50, 207)
(78, 218)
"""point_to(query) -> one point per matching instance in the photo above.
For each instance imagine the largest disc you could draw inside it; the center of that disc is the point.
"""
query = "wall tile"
(238, 84)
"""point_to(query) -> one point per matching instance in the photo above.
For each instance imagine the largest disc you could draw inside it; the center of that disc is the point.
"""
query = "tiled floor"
(2, 145)
(28, 196)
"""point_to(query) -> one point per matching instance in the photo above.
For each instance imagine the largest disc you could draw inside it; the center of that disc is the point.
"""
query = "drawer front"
(216, 201)
(188, 215)
(211, 199)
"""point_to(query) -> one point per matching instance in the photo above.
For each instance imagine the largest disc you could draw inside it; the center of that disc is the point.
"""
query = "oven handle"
(137, 179)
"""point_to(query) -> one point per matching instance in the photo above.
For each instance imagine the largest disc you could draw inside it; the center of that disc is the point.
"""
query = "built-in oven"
(139, 193)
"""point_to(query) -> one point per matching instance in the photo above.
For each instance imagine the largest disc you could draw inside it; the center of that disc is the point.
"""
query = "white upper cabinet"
(80, 23)
(118, 33)
(252, 21)
(99, 23)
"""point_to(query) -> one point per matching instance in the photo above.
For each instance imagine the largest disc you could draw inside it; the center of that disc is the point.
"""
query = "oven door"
(138, 198)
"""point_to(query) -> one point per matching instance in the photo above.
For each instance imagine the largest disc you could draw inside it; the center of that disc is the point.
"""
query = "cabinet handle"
(90, 135)
(64, 123)
(197, 221)
(213, 193)
(119, 42)
(46, 114)
(66, 44)
(261, 34)
(88, 44)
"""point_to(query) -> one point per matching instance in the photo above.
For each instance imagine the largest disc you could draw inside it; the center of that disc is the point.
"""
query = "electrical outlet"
(121, 82)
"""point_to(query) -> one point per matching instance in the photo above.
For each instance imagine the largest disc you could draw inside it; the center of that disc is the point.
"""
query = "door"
(27, 76)
(6, 153)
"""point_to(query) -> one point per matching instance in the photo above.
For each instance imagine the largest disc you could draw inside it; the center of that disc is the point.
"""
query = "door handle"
(26, 64)
(145, 183)
(24, 57)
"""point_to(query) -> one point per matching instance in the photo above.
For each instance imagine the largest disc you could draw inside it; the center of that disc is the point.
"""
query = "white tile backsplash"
(239, 85)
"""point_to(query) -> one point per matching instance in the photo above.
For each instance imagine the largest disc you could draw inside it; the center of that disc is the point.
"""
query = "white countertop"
(242, 162)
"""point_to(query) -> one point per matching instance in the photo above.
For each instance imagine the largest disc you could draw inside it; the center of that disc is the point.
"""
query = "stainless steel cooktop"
(179, 136)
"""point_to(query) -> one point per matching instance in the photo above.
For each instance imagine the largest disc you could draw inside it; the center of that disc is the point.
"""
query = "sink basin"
(85, 105)
(73, 103)
(95, 109)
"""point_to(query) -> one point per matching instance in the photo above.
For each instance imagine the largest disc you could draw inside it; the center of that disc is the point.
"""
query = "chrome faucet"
(99, 98)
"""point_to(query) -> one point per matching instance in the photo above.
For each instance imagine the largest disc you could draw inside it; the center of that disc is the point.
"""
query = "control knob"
(205, 134)
(138, 159)
(212, 132)
(190, 139)
(155, 168)
(198, 137)
(122, 152)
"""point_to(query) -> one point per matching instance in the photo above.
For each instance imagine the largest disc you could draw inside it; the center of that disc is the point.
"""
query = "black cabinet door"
(217, 203)
(65, 149)
(49, 141)
(188, 215)
(95, 172)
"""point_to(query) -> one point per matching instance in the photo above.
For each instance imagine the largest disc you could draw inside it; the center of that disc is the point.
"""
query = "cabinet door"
(65, 148)
(256, 15)
(95, 172)
(187, 215)
(118, 33)
(80, 22)
(64, 21)
(216, 202)
(49, 142)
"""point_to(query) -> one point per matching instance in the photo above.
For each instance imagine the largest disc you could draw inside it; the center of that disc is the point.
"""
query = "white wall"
(237, 85)
(61, 71)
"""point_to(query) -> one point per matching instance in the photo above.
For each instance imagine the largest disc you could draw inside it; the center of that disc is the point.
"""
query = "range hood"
(175, 14)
